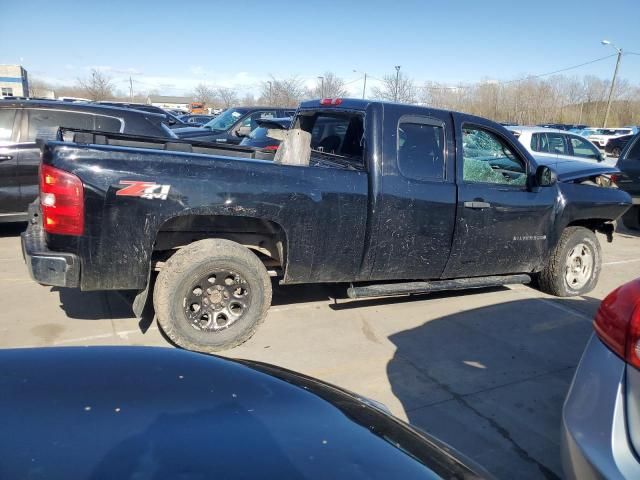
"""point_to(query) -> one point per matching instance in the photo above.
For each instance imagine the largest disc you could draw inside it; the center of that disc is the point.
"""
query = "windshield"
(225, 120)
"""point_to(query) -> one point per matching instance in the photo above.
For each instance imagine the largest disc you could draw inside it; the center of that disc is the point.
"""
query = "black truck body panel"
(332, 224)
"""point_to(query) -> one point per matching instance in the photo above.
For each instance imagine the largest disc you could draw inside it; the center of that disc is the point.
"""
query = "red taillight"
(61, 201)
(617, 322)
(331, 101)
(271, 148)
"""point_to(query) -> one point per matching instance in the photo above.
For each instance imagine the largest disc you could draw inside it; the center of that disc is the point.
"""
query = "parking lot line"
(622, 262)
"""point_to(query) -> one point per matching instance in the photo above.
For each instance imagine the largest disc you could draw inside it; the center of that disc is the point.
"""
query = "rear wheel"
(631, 218)
(574, 265)
(212, 295)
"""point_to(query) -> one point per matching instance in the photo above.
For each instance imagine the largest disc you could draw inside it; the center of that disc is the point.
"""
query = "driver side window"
(487, 158)
(582, 148)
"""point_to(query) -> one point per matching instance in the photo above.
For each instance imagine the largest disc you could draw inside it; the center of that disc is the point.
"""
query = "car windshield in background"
(223, 121)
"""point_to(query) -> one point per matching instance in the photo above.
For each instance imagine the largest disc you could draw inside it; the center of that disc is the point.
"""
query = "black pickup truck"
(392, 199)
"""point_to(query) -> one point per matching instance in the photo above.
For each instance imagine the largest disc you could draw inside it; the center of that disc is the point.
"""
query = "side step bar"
(388, 289)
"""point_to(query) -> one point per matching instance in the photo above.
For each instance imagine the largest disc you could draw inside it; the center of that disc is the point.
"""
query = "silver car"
(551, 144)
(601, 415)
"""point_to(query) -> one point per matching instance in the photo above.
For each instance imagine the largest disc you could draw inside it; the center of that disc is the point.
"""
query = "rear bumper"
(45, 266)
(594, 441)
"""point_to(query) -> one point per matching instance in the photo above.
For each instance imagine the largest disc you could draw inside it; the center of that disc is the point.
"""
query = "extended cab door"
(414, 219)
(502, 222)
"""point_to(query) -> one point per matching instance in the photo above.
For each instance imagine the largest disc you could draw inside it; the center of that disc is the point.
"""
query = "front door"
(413, 224)
(502, 224)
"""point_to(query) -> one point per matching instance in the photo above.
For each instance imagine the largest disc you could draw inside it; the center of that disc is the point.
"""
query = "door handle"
(477, 205)
(5, 157)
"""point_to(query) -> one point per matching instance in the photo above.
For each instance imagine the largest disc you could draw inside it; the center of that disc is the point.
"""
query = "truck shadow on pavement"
(491, 381)
(98, 305)
(12, 229)
(626, 232)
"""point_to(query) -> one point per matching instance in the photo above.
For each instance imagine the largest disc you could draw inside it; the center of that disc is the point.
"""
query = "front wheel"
(211, 295)
(574, 265)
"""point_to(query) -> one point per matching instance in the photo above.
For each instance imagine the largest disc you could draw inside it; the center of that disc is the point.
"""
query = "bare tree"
(39, 88)
(249, 100)
(97, 87)
(328, 86)
(203, 93)
(227, 96)
(283, 93)
(400, 83)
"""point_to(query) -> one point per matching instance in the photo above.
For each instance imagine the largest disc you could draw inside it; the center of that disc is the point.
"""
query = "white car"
(605, 134)
(550, 144)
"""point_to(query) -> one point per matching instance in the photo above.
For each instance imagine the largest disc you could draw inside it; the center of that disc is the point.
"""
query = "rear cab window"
(337, 138)
(420, 149)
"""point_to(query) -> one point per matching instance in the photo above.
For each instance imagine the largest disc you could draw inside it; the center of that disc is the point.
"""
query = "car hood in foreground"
(571, 170)
(136, 412)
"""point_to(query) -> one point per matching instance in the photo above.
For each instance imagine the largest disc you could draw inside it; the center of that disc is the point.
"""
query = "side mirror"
(601, 157)
(243, 131)
(545, 177)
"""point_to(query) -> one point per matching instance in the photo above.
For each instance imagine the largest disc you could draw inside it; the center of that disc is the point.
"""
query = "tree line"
(532, 100)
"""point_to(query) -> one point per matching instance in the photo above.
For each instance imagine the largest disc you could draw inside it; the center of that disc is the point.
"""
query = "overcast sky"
(173, 45)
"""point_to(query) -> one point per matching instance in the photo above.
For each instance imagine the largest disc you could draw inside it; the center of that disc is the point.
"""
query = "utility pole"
(321, 86)
(364, 86)
(130, 88)
(395, 97)
(270, 97)
(613, 81)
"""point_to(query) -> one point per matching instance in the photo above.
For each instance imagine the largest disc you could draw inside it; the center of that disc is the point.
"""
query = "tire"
(631, 218)
(615, 151)
(562, 266)
(199, 299)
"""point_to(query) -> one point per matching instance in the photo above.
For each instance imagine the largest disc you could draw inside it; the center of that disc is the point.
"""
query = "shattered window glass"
(488, 159)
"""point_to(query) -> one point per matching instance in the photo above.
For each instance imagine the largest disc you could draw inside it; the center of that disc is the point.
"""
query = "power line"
(528, 77)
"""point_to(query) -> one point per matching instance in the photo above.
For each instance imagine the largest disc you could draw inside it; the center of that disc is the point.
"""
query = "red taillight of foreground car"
(271, 148)
(61, 201)
(617, 322)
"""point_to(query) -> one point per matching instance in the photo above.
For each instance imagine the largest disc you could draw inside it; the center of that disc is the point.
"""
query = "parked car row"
(22, 121)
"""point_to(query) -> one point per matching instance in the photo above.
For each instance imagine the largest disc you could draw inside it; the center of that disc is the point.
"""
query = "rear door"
(502, 224)
(415, 218)
(9, 187)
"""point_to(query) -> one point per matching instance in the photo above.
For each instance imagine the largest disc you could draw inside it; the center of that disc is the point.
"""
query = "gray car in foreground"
(601, 415)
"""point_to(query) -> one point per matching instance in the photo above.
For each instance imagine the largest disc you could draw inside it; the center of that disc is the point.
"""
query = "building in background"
(171, 103)
(13, 81)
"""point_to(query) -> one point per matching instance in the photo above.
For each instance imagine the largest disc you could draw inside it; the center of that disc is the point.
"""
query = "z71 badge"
(148, 190)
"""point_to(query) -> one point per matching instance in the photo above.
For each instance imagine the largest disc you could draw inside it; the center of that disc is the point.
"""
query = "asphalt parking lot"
(485, 371)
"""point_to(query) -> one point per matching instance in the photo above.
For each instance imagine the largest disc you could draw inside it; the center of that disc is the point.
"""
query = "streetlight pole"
(613, 81)
(395, 97)
(364, 85)
(321, 86)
